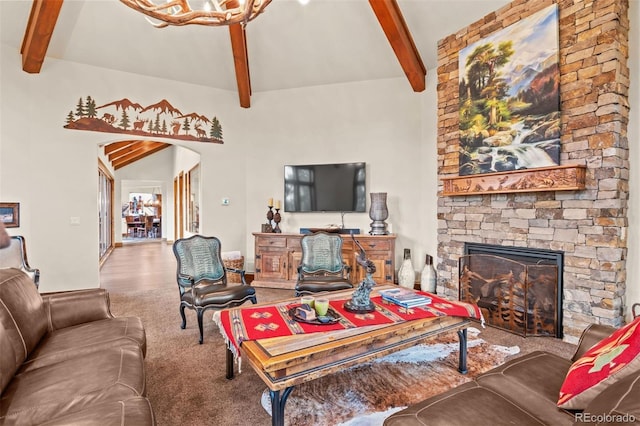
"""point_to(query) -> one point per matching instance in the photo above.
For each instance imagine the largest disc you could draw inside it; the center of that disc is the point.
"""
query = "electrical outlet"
(74, 220)
(225, 201)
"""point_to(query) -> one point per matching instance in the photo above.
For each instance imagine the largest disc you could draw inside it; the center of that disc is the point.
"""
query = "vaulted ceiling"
(44, 16)
(290, 45)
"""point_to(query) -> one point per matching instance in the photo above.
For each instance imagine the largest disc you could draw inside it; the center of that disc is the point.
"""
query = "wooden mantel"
(557, 178)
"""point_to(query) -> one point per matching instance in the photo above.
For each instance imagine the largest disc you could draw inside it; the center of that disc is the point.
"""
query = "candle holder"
(277, 218)
(267, 227)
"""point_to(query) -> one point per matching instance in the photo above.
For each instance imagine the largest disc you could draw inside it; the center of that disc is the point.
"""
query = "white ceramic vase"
(406, 273)
(428, 277)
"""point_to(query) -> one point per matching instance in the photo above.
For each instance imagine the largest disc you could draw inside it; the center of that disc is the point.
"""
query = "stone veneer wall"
(589, 226)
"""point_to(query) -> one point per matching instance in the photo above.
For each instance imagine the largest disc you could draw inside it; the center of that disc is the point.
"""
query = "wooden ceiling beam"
(240, 60)
(131, 147)
(115, 146)
(42, 21)
(137, 151)
(395, 28)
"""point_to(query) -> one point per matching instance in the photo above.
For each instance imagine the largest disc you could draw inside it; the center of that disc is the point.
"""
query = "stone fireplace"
(518, 289)
(589, 225)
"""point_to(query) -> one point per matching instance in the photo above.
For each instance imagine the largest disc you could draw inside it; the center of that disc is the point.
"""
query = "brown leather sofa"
(524, 391)
(66, 360)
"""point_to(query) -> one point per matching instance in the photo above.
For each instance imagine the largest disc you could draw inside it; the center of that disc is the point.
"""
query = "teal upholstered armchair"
(202, 278)
(322, 267)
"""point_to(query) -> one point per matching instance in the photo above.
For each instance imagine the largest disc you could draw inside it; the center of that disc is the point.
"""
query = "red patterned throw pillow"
(608, 361)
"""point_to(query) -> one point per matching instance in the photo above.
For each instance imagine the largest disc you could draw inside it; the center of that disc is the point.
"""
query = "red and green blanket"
(253, 323)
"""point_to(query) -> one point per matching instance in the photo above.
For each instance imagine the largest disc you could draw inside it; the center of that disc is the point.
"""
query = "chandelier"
(198, 12)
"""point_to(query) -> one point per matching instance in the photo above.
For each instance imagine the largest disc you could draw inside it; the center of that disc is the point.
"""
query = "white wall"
(373, 121)
(52, 171)
(633, 261)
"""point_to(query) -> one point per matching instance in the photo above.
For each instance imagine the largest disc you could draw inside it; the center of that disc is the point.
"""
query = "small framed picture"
(10, 214)
(266, 228)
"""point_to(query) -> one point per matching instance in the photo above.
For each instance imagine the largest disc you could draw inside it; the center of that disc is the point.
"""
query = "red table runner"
(253, 323)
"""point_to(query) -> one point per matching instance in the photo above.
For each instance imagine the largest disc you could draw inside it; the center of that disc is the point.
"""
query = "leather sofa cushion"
(23, 304)
(9, 358)
(42, 394)
(532, 381)
(76, 307)
(132, 411)
(23, 319)
(95, 336)
(619, 399)
(468, 404)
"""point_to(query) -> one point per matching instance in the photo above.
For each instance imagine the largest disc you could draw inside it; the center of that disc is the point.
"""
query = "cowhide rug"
(368, 393)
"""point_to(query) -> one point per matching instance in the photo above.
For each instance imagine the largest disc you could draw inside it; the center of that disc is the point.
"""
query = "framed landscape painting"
(10, 214)
(509, 108)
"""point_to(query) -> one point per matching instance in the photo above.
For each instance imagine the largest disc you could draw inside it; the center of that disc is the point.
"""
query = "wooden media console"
(278, 256)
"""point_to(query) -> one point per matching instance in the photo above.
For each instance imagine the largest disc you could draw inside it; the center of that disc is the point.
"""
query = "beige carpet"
(187, 386)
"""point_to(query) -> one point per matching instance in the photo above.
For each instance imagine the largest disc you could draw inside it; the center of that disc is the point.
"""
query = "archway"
(150, 173)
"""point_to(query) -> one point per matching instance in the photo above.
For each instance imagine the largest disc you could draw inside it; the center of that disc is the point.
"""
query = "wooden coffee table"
(283, 362)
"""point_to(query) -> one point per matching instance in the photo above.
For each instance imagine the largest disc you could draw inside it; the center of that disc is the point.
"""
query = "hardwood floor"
(139, 267)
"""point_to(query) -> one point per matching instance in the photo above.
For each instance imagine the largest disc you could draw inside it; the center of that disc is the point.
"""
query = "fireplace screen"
(517, 296)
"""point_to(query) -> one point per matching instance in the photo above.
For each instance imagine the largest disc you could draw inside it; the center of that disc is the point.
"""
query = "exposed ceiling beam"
(124, 153)
(42, 21)
(393, 24)
(240, 60)
(123, 150)
(115, 146)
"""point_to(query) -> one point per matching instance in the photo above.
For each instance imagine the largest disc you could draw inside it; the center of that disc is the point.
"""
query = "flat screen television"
(325, 187)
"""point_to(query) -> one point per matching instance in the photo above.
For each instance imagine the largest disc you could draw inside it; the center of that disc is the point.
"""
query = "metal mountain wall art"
(160, 120)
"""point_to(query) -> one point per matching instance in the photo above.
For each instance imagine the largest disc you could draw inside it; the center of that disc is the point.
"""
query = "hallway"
(139, 267)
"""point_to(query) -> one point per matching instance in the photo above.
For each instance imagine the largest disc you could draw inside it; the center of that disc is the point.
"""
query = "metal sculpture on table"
(360, 301)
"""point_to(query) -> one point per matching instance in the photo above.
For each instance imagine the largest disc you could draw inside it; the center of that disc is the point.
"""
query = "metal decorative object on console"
(360, 300)
(268, 227)
(378, 213)
(277, 219)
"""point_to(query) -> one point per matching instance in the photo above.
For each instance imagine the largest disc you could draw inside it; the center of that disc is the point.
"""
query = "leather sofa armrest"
(590, 336)
(76, 307)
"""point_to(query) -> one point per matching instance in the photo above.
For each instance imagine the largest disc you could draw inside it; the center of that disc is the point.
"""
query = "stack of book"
(405, 297)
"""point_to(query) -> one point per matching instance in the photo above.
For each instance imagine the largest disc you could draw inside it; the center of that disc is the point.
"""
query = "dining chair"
(202, 278)
(131, 226)
(322, 267)
(149, 230)
(139, 227)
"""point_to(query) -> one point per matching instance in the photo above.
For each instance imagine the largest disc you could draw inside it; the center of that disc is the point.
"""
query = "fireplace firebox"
(518, 289)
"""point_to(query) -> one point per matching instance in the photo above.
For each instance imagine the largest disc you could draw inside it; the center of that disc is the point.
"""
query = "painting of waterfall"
(509, 98)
